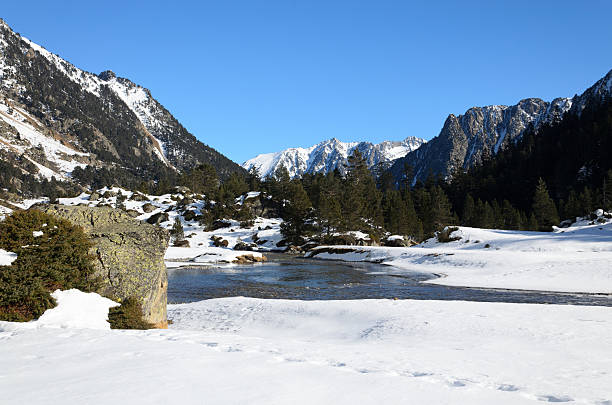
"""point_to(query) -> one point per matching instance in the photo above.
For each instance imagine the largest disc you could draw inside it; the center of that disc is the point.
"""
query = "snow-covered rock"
(329, 155)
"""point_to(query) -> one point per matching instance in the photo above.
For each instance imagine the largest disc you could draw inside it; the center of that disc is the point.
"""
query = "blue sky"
(249, 77)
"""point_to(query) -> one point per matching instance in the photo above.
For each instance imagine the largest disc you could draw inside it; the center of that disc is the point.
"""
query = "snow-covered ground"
(244, 350)
(201, 250)
(574, 259)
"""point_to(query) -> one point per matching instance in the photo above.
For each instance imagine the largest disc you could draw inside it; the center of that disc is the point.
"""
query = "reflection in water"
(304, 279)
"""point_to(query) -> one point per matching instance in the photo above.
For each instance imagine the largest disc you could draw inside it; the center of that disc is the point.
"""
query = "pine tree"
(469, 211)
(177, 230)
(297, 213)
(253, 179)
(607, 192)
(329, 211)
(544, 208)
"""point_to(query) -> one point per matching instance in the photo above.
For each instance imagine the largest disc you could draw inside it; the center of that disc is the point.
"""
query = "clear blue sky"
(255, 76)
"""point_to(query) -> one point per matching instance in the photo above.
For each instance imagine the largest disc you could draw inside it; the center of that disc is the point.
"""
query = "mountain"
(56, 119)
(331, 154)
(482, 131)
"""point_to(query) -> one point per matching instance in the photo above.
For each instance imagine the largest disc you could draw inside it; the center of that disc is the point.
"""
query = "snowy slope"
(575, 259)
(138, 99)
(329, 155)
(117, 122)
(24, 134)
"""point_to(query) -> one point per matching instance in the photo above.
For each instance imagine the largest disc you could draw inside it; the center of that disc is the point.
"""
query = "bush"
(57, 259)
(128, 315)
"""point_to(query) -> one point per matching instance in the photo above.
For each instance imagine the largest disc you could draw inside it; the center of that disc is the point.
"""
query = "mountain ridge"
(466, 139)
(121, 128)
(329, 155)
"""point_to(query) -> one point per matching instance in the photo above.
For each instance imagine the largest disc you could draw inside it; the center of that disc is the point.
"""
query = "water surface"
(289, 277)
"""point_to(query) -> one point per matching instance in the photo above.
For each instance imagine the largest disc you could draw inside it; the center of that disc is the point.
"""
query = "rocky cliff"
(482, 131)
(130, 255)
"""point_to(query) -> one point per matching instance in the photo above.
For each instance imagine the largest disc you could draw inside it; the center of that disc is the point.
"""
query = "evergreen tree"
(329, 211)
(544, 208)
(177, 230)
(469, 211)
(297, 212)
(607, 192)
(253, 179)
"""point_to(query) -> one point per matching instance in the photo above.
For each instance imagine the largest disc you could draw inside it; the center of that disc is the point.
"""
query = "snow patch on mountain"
(138, 99)
(28, 136)
(328, 155)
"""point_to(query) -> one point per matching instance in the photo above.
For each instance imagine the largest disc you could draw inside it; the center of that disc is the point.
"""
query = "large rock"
(130, 255)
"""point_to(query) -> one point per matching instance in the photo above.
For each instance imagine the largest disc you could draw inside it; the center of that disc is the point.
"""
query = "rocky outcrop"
(129, 255)
(465, 140)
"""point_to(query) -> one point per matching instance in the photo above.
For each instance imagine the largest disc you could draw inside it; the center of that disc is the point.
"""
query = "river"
(288, 277)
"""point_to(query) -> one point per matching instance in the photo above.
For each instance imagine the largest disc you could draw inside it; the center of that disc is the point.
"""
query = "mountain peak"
(107, 75)
(328, 155)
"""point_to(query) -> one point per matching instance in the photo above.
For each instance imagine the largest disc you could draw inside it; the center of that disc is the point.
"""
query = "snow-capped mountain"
(56, 117)
(331, 154)
(482, 131)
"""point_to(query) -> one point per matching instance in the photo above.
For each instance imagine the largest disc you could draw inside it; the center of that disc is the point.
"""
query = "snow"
(36, 234)
(201, 251)
(245, 350)
(76, 309)
(576, 259)
(137, 99)
(327, 155)
(180, 256)
(31, 135)
(7, 258)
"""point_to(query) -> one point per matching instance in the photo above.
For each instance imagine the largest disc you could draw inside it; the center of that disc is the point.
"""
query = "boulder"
(132, 213)
(190, 215)
(181, 243)
(240, 245)
(247, 259)
(218, 224)
(129, 255)
(158, 218)
(148, 207)
(396, 242)
(138, 197)
(218, 241)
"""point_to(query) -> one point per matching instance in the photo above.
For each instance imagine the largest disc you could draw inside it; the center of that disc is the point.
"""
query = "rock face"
(130, 255)
(482, 131)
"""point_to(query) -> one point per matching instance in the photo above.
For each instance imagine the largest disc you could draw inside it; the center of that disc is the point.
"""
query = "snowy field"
(574, 259)
(243, 350)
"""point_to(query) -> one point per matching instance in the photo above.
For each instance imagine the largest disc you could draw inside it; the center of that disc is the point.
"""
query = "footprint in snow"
(507, 387)
(555, 398)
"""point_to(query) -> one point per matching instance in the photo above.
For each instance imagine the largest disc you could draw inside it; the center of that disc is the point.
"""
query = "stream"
(289, 277)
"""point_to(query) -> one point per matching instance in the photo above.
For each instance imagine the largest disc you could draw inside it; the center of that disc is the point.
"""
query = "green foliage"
(297, 211)
(202, 179)
(572, 157)
(58, 259)
(177, 230)
(128, 315)
(544, 208)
